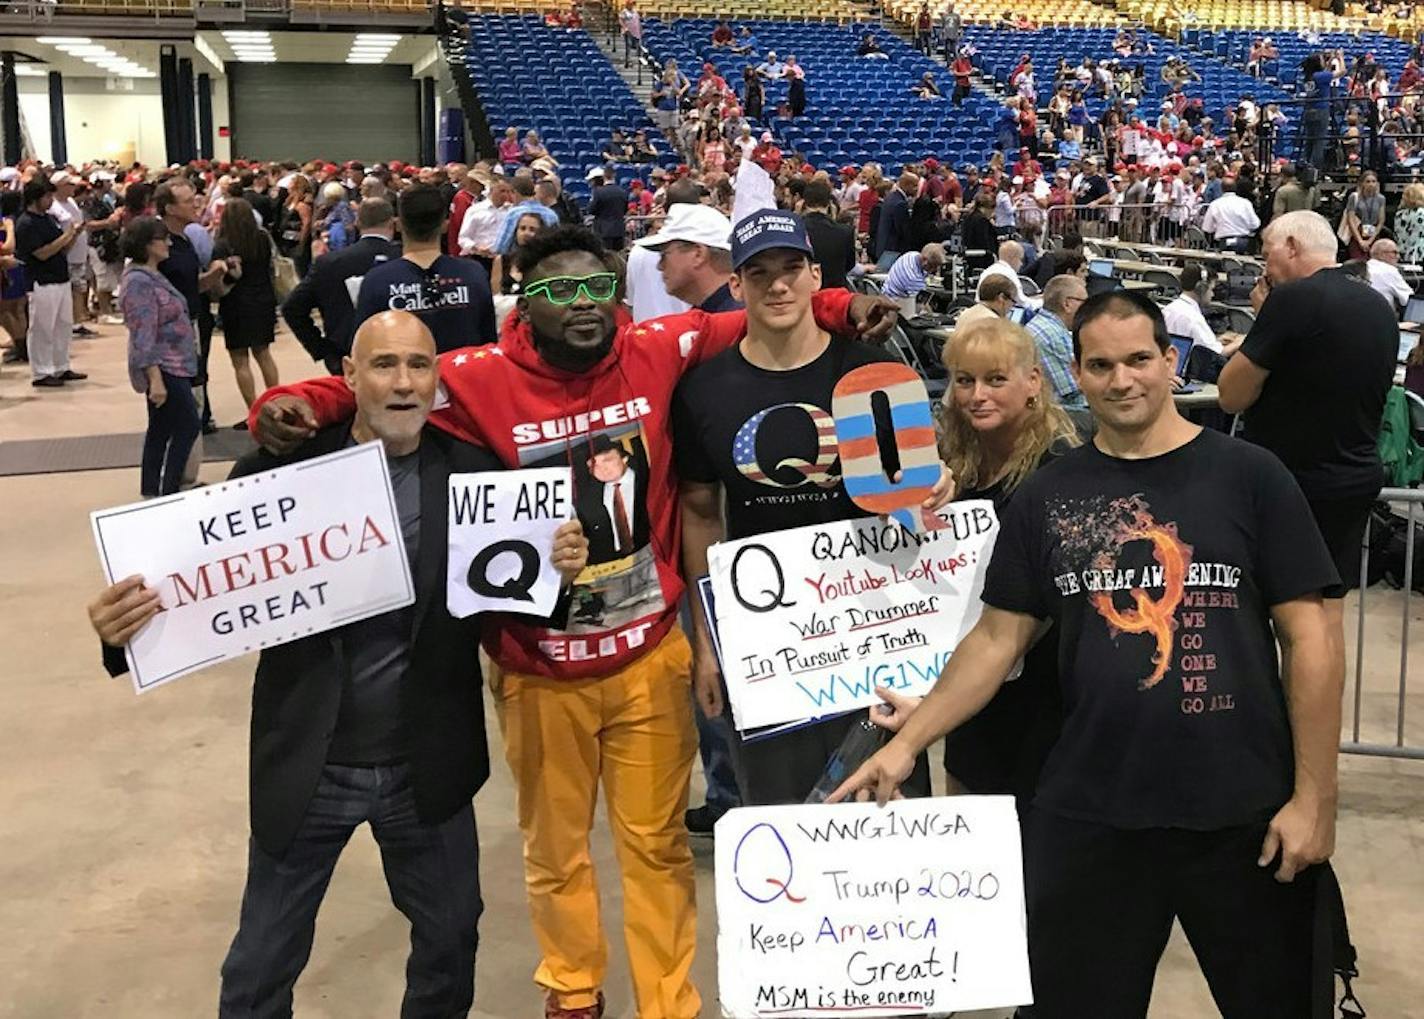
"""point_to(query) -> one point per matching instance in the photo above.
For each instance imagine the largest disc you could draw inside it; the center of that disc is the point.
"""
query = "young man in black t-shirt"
(754, 423)
(1195, 779)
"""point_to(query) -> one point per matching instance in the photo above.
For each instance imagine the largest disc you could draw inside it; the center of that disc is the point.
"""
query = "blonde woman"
(294, 229)
(1409, 225)
(999, 425)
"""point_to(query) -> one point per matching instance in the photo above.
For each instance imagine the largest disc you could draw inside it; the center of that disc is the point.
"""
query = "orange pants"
(632, 728)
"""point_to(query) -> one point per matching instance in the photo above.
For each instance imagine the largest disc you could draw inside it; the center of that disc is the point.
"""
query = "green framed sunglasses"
(562, 290)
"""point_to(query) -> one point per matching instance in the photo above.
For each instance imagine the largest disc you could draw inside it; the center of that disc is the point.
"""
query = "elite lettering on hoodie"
(611, 424)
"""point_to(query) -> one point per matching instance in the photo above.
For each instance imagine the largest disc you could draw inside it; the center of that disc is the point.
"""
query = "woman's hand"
(157, 392)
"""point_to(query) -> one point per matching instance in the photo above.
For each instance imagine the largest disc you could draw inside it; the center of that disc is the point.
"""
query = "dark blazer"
(608, 205)
(324, 289)
(297, 693)
(894, 232)
(834, 247)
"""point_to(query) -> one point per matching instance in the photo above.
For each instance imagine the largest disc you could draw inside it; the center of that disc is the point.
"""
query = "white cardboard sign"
(502, 526)
(258, 561)
(853, 909)
(812, 619)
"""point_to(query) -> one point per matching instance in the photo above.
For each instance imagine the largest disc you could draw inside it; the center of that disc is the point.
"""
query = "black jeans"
(432, 872)
(172, 429)
(1101, 902)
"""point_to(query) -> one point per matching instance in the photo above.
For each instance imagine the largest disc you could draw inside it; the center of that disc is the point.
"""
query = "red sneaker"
(553, 1011)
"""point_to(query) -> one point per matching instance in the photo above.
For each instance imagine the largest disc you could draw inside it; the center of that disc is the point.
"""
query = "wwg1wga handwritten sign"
(857, 909)
(812, 619)
(502, 526)
(259, 560)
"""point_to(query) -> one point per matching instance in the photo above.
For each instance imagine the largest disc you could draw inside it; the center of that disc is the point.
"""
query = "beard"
(561, 355)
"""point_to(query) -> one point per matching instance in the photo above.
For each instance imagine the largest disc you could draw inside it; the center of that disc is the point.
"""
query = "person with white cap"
(644, 290)
(9, 178)
(67, 212)
(694, 249)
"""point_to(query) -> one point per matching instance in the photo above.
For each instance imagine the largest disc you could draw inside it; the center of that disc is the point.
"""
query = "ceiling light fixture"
(62, 40)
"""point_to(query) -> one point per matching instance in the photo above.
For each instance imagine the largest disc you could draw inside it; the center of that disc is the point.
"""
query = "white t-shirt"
(647, 295)
(66, 211)
(1184, 318)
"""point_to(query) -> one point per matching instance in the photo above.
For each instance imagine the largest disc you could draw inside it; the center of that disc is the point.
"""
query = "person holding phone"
(41, 243)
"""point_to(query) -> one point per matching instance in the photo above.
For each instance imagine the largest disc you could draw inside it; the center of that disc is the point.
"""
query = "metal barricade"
(1412, 499)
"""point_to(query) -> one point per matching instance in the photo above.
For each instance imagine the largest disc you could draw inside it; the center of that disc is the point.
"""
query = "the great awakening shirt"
(1160, 574)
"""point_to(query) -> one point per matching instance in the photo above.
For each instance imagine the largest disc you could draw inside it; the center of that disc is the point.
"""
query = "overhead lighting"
(253, 49)
(365, 60)
(29, 71)
(235, 34)
(377, 37)
(62, 40)
(85, 51)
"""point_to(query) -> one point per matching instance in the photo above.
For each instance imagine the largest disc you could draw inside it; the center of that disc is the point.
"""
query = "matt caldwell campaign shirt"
(768, 437)
(1160, 575)
(452, 298)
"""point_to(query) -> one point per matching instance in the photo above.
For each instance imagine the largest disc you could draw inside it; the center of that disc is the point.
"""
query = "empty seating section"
(1080, 13)
(57, 9)
(857, 109)
(842, 11)
(1221, 86)
(555, 81)
(1173, 16)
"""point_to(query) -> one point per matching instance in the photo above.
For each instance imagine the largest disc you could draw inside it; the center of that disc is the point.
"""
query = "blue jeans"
(172, 430)
(432, 872)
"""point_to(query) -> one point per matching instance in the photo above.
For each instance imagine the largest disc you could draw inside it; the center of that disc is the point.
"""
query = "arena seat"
(574, 108)
(1233, 45)
(1076, 13)
(1221, 86)
(857, 110)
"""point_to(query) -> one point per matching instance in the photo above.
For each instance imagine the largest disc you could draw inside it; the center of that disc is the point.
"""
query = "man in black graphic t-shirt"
(1194, 778)
(755, 422)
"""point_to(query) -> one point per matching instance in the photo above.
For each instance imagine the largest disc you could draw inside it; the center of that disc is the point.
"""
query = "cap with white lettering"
(768, 230)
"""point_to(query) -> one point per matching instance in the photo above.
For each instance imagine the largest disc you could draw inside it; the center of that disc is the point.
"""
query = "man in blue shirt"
(1052, 331)
(1317, 109)
(450, 295)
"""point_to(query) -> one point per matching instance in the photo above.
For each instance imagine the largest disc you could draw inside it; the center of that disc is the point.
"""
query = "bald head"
(390, 327)
(1012, 253)
(909, 183)
(393, 371)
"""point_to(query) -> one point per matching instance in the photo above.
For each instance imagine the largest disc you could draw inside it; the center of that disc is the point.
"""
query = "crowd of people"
(690, 304)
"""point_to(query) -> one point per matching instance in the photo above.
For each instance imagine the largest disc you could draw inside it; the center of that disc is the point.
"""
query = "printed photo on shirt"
(610, 480)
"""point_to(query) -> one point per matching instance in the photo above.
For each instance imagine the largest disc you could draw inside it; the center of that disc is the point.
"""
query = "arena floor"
(123, 820)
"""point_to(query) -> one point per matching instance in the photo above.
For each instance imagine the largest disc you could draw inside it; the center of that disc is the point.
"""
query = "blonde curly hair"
(1044, 426)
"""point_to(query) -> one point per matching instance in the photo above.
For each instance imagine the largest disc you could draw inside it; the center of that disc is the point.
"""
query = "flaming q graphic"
(1099, 531)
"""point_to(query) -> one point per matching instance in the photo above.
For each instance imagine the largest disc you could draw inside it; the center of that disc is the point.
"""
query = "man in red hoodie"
(573, 382)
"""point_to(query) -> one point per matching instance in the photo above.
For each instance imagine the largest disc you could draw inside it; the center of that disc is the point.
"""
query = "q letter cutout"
(862, 472)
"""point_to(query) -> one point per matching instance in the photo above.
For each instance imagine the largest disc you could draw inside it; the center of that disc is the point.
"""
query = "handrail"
(1413, 498)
